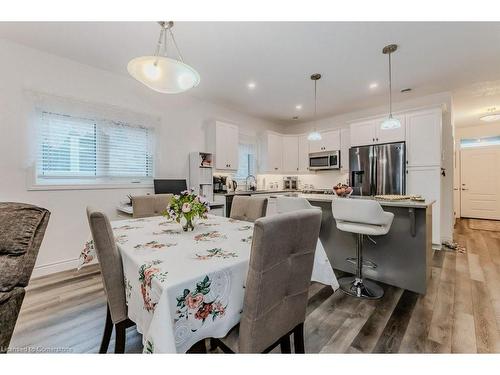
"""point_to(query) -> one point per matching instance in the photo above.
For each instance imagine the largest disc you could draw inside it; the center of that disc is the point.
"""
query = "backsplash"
(320, 180)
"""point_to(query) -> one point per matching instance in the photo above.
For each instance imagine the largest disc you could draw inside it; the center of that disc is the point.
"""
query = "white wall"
(439, 99)
(181, 131)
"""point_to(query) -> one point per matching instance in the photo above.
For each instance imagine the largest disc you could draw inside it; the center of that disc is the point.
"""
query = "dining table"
(184, 286)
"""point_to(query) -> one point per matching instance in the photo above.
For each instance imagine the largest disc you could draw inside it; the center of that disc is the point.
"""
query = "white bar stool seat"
(364, 217)
(322, 269)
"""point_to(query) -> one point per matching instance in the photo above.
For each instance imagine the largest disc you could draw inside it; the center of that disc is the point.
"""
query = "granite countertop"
(403, 203)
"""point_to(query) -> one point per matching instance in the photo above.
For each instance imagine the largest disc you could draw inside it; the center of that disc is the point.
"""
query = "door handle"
(464, 189)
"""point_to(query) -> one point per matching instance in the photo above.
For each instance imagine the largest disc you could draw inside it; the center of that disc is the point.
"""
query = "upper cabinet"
(330, 141)
(223, 141)
(423, 138)
(274, 151)
(303, 153)
(290, 153)
(345, 143)
(369, 132)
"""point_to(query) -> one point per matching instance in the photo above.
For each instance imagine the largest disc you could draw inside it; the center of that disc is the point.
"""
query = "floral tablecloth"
(181, 286)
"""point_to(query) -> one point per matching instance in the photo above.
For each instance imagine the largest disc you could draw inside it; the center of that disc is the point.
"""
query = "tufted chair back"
(279, 276)
(248, 208)
(150, 205)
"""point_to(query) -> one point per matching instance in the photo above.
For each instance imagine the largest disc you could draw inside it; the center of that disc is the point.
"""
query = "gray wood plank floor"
(459, 314)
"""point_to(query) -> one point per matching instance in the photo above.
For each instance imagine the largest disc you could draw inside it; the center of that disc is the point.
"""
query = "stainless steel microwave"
(324, 160)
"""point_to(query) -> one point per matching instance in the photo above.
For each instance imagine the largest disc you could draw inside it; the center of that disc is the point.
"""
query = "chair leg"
(198, 348)
(298, 339)
(285, 344)
(213, 344)
(120, 335)
(106, 336)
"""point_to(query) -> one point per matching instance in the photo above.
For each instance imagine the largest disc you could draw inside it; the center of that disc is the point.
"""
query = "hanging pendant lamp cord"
(162, 42)
(390, 87)
(315, 104)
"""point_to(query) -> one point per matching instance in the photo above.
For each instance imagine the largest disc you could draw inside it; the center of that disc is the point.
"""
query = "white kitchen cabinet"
(223, 141)
(303, 153)
(330, 141)
(290, 153)
(362, 133)
(369, 132)
(426, 181)
(423, 138)
(274, 148)
(345, 143)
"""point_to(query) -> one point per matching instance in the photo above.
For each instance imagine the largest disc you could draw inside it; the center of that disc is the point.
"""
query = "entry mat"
(490, 225)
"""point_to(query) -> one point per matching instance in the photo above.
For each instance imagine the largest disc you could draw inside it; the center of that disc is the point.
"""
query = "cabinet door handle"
(373, 139)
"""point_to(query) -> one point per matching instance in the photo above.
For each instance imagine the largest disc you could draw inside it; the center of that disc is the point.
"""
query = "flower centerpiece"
(185, 207)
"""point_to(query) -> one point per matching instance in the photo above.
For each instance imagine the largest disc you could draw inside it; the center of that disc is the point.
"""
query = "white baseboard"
(47, 269)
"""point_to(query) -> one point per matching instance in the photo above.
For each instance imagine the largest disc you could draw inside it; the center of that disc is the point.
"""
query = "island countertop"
(400, 203)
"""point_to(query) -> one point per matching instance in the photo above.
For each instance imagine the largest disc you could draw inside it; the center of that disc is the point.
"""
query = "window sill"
(128, 186)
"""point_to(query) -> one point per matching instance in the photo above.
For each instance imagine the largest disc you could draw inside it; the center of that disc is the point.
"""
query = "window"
(246, 161)
(480, 142)
(78, 150)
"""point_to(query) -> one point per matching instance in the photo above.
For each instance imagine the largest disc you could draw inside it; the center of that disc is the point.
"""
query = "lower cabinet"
(426, 181)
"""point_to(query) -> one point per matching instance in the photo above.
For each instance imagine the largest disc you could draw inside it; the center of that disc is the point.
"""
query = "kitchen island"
(402, 256)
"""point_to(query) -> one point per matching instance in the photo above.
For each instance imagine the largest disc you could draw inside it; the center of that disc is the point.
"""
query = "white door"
(274, 152)
(480, 182)
(423, 138)
(290, 154)
(426, 181)
(345, 142)
(303, 153)
(363, 133)
(390, 135)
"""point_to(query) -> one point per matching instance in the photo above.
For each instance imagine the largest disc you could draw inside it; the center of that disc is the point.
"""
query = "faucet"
(250, 185)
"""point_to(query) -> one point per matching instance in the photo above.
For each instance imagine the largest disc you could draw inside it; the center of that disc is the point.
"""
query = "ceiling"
(280, 56)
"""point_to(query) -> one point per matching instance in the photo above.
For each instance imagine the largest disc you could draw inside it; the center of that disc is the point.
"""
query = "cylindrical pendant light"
(390, 122)
(161, 73)
(315, 135)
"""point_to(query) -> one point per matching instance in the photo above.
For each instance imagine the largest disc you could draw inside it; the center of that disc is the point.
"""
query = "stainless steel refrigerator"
(376, 170)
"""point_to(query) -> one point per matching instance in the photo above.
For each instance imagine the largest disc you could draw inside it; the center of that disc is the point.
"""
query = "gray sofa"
(22, 227)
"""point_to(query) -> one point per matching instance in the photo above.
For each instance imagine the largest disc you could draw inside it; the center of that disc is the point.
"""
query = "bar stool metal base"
(361, 288)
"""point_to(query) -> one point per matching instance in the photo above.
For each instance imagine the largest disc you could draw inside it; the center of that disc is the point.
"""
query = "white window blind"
(246, 161)
(76, 148)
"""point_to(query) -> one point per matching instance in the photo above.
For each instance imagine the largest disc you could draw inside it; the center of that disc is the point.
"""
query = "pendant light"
(315, 135)
(390, 122)
(492, 115)
(162, 73)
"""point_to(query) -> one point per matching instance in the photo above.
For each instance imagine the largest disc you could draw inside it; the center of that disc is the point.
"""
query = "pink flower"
(193, 302)
(186, 207)
(219, 308)
(149, 273)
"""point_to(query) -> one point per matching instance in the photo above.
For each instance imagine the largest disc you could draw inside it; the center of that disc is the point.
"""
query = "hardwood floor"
(459, 314)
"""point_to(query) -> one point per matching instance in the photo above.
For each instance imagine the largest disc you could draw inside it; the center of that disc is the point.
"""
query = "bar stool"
(364, 217)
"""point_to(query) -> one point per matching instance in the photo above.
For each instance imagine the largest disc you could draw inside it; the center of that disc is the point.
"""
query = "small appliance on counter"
(290, 183)
(231, 184)
(220, 184)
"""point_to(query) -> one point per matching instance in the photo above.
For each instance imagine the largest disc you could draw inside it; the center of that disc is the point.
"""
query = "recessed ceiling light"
(298, 107)
(373, 85)
(251, 85)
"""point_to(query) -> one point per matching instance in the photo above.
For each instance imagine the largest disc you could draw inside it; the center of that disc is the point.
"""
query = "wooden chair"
(277, 284)
(112, 276)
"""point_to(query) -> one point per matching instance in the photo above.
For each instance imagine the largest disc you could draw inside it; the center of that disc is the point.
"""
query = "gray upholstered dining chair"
(22, 228)
(277, 284)
(248, 208)
(112, 276)
(150, 205)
